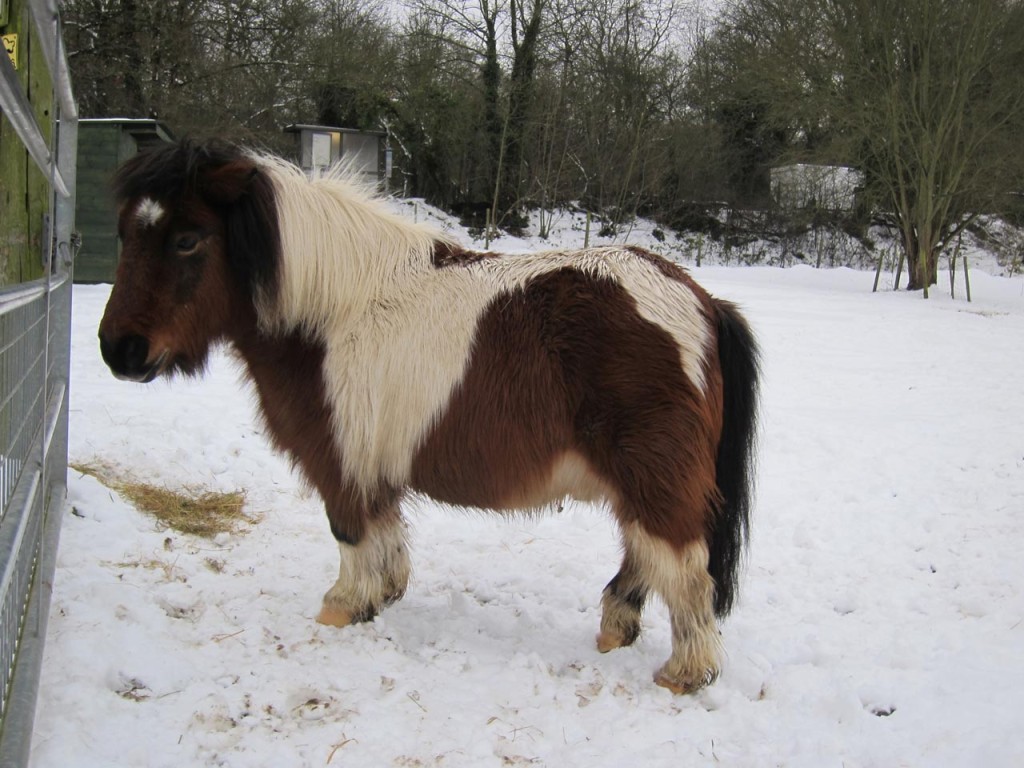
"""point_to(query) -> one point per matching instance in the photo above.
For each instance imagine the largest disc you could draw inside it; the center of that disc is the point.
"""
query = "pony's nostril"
(126, 356)
(135, 350)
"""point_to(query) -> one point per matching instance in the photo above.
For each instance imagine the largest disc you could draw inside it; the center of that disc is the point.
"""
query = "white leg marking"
(682, 580)
(372, 574)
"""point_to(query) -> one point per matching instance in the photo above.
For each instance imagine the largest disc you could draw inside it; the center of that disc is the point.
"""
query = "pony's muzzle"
(127, 358)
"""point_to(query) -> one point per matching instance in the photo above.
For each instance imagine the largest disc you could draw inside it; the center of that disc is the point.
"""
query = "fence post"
(878, 269)
(967, 280)
(899, 271)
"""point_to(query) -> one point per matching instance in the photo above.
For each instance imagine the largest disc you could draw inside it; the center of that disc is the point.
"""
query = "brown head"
(200, 238)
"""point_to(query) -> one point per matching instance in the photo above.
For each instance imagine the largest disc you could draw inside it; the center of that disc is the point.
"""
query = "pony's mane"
(172, 170)
(342, 246)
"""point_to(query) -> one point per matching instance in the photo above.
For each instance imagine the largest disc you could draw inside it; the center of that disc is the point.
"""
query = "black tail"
(739, 359)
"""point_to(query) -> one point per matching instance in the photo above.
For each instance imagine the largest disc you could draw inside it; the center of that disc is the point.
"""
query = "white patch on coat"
(397, 331)
(149, 212)
(570, 476)
(372, 573)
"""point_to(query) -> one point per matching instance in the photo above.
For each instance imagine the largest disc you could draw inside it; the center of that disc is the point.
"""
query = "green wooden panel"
(24, 189)
(99, 154)
(102, 146)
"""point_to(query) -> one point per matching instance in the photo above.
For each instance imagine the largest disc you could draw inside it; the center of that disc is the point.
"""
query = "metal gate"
(35, 321)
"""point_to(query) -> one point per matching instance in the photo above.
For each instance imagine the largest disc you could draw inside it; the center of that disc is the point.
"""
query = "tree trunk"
(923, 270)
(520, 97)
(491, 76)
(128, 41)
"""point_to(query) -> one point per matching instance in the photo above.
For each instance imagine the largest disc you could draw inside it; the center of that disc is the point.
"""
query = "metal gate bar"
(35, 322)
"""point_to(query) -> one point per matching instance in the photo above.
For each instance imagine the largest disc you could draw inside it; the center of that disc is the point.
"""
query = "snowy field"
(880, 621)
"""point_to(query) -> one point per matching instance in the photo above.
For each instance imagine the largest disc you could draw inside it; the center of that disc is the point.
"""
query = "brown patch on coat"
(712, 367)
(567, 365)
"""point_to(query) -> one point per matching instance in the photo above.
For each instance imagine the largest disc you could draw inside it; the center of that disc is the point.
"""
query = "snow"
(880, 621)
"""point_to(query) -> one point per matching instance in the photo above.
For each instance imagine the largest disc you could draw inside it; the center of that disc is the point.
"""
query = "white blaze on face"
(149, 212)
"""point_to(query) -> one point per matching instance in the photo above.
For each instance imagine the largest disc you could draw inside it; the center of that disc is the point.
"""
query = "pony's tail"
(729, 529)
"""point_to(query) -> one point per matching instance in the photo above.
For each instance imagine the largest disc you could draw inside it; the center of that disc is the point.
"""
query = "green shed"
(103, 144)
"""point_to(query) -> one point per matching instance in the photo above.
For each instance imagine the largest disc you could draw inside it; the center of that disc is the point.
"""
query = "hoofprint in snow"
(880, 621)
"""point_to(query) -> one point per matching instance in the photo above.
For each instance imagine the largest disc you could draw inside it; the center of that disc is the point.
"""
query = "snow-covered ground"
(881, 620)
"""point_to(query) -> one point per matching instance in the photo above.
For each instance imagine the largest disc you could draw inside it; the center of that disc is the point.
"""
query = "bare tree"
(128, 56)
(627, 79)
(761, 78)
(925, 96)
(933, 103)
(439, 107)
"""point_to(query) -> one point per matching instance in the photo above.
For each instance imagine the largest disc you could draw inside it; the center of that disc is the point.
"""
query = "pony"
(389, 360)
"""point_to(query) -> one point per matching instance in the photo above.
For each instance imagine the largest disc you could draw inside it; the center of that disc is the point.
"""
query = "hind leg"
(680, 576)
(621, 605)
(374, 572)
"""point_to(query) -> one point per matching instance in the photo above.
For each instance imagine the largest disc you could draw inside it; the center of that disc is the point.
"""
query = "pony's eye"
(186, 243)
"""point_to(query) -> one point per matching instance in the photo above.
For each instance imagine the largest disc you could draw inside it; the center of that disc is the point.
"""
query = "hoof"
(617, 636)
(333, 617)
(609, 641)
(684, 685)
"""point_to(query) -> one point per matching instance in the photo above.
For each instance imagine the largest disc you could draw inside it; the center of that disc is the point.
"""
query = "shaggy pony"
(388, 359)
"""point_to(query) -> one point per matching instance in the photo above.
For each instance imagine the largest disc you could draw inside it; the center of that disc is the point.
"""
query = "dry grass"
(170, 571)
(194, 511)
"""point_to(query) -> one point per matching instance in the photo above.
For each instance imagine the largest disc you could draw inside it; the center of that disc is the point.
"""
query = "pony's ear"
(250, 225)
(227, 183)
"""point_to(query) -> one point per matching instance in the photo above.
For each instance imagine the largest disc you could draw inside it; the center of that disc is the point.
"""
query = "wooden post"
(586, 234)
(542, 228)
(488, 216)
(926, 273)
(967, 279)
(899, 271)
(878, 270)
(952, 265)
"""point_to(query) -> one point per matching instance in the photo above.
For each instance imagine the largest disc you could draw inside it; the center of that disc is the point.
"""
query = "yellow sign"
(11, 46)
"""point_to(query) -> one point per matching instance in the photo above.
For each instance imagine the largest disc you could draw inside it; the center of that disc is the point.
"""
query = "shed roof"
(297, 127)
(144, 130)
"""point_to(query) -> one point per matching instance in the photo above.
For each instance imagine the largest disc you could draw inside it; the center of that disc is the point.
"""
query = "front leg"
(374, 568)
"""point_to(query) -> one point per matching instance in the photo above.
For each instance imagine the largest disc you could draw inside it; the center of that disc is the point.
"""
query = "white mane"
(341, 246)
